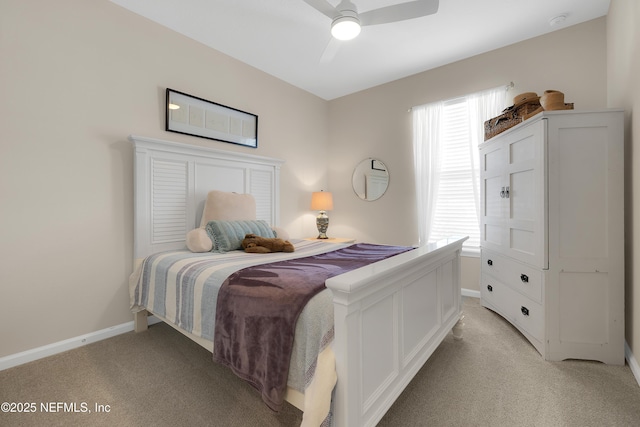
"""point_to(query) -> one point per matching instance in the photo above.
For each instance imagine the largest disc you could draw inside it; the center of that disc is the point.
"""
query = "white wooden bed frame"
(389, 316)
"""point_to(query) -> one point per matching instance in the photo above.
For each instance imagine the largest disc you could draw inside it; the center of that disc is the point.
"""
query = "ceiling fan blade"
(330, 51)
(324, 7)
(399, 12)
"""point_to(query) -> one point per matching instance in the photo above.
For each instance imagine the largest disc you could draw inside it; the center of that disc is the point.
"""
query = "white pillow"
(225, 206)
(199, 241)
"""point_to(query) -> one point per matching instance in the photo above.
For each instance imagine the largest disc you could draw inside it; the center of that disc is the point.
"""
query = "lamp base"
(322, 222)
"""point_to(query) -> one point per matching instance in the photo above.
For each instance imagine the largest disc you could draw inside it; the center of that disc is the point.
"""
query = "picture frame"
(377, 165)
(190, 115)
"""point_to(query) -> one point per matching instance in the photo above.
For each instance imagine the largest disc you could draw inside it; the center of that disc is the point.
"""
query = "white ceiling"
(287, 38)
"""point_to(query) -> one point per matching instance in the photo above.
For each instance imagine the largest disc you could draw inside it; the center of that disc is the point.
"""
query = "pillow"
(199, 241)
(228, 235)
(281, 233)
(222, 205)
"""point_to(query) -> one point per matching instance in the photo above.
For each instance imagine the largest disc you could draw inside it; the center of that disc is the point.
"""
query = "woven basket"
(499, 124)
(512, 116)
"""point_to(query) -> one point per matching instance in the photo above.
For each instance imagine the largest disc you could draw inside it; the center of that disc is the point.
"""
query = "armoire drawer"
(521, 311)
(521, 277)
(493, 292)
(529, 315)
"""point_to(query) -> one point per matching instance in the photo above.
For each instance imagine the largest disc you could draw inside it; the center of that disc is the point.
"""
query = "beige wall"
(623, 66)
(78, 77)
(376, 122)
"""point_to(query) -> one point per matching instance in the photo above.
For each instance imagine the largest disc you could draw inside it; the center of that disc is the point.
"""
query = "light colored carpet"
(493, 377)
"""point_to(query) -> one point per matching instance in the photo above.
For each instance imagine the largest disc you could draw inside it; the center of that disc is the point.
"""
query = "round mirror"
(370, 179)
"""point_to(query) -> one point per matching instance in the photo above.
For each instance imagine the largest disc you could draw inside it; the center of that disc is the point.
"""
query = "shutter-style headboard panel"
(171, 182)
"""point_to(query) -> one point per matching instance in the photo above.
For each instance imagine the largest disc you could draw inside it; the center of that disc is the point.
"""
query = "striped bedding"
(182, 287)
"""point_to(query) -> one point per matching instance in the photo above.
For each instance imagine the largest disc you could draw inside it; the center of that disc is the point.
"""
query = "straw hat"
(524, 98)
(552, 100)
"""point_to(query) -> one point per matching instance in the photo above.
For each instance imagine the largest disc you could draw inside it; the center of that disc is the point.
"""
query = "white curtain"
(428, 146)
(427, 121)
(482, 107)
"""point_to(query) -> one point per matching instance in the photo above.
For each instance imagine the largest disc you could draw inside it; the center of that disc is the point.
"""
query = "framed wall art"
(195, 116)
(378, 165)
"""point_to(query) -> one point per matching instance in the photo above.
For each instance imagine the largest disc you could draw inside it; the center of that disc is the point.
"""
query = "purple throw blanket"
(258, 308)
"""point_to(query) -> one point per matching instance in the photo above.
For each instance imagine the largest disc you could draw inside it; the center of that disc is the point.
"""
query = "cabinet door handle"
(506, 193)
(502, 193)
(490, 288)
(490, 262)
(524, 278)
(524, 310)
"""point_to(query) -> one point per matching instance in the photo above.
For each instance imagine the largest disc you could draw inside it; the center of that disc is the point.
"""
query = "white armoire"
(552, 232)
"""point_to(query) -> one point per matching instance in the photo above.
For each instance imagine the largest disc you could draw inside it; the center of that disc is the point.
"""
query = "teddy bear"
(263, 245)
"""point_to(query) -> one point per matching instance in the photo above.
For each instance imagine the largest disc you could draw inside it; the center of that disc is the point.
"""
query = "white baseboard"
(470, 293)
(632, 362)
(69, 344)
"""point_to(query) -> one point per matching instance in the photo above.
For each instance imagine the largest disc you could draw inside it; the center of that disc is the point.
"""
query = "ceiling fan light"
(345, 27)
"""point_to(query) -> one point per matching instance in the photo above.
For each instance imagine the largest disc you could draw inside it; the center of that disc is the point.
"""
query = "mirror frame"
(378, 171)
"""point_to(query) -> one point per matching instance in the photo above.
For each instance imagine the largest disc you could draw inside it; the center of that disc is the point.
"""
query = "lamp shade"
(321, 201)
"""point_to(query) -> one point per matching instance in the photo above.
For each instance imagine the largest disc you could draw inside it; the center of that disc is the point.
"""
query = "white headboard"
(171, 182)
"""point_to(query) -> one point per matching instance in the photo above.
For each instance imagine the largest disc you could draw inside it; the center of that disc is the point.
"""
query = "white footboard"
(389, 318)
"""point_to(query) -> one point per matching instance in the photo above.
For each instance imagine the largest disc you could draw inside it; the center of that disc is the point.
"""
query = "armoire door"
(513, 176)
(492, 177)
(526, 201)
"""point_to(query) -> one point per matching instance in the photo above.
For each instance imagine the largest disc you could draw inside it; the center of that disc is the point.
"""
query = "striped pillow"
(228, 235)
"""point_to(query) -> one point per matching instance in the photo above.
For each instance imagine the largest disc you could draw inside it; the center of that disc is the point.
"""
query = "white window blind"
(455, 212)
(446, 138)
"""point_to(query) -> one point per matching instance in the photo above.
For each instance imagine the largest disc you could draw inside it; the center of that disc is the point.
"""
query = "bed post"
(458, 329)
(140, 323)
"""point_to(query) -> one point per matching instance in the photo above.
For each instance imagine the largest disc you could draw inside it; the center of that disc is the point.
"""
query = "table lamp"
(322, 201)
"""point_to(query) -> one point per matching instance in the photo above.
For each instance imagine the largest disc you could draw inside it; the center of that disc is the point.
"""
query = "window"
(446, 135)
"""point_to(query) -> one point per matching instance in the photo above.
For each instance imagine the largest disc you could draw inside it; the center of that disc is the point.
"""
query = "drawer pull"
(490, 288)
(490, 262)
(524, 310)
(524, 278)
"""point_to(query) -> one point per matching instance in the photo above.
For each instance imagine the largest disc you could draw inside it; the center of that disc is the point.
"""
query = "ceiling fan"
(346, 22)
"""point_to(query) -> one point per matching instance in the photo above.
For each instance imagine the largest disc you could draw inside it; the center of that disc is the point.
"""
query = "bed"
(385, 319)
